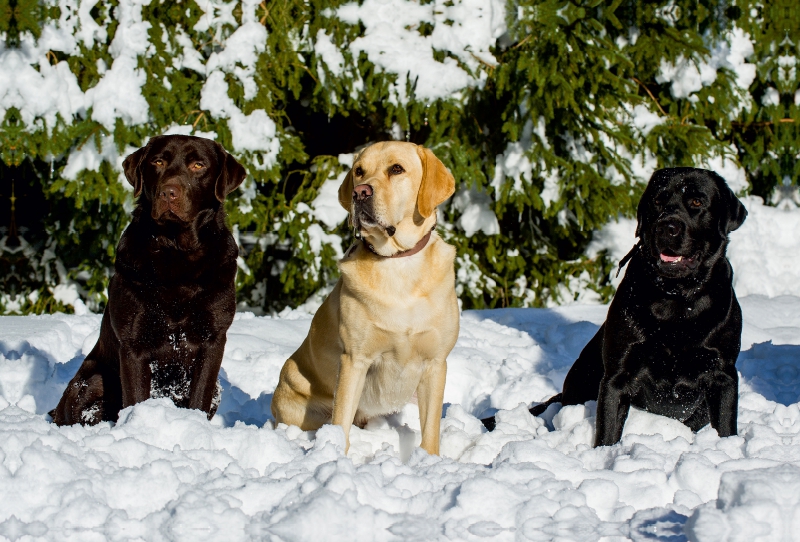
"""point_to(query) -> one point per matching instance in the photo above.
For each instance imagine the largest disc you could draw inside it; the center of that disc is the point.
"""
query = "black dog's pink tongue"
(665, 258)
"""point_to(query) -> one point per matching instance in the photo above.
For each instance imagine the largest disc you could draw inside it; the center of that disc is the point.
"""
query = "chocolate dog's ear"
(346, 191)
(231, 175)
(132, 170)
(437, 184)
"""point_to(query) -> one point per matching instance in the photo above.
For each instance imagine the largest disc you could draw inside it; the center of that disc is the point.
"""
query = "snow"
(118, 94)
(326, 207)
(46, 94)
(475, 212)
(466, 29)
(771, 97)
(645, 120)
(163, 473)
(688, 75)
(329, 54)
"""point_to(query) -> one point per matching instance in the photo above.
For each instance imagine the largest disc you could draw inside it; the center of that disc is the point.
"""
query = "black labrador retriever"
(172, 298)
(673, 331)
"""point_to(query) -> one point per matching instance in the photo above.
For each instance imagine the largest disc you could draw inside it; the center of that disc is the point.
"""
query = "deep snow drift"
(164, 473)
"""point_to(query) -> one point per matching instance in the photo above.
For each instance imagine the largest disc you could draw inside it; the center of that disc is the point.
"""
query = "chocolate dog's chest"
(173, 358)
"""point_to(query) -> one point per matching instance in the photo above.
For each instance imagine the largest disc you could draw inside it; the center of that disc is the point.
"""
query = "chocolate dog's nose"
(673, 228)
(170, 192)
(362, 192)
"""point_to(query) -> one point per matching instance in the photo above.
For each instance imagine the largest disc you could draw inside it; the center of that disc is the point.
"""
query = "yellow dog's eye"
(359, 172)
(396, 169)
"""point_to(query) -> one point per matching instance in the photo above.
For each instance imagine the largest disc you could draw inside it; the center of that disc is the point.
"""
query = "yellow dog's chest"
(398, 322)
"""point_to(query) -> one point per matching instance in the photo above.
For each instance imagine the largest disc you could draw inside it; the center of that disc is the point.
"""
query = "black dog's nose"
(673, 228)
(362, 192)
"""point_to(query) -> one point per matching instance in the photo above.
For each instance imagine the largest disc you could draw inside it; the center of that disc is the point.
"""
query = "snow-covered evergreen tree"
(550, 114)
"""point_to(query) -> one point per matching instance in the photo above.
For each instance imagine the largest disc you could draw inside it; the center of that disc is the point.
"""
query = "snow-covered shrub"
(550, 114)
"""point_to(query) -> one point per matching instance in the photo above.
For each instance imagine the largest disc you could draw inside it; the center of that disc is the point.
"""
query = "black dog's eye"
(359, 172)
(396, 169)
(696, 202)
(197, 166)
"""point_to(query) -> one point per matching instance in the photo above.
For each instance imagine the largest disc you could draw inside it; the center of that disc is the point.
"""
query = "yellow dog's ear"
(437, 184)
(346, 191)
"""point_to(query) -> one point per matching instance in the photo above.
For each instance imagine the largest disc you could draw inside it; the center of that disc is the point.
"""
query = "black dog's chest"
(675, 400)
(667, 379)
(678, 317)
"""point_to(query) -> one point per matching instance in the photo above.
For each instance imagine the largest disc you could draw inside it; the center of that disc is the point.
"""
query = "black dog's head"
(177, 177)
(685, 216)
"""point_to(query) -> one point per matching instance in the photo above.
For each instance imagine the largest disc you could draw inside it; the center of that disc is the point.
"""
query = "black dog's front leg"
(613, 404)
(722, 397)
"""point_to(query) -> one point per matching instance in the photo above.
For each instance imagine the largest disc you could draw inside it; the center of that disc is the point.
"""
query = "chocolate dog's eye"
(397, 169)
(359, 172)
(197, 166)
(158, 162)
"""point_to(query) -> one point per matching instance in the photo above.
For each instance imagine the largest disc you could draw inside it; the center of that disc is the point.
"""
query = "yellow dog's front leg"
(430, 394)
(349, 387)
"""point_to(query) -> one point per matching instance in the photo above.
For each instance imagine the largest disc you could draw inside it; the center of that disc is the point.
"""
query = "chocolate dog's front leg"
(217, 305)
(349, 386)
(613, 404)
(135, 374)
(206, 372)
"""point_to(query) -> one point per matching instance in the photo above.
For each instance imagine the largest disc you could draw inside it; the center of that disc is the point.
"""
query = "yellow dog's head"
(392, 192)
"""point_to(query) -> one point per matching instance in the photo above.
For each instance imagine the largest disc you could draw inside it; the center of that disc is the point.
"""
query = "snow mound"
(164, 473)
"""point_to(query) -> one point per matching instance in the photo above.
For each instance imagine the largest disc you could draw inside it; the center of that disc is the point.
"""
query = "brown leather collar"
(403, 253)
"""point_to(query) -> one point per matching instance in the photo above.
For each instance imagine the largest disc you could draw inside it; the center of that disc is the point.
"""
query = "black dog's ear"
(639, 218)
(132, 170)
(736, 212)
(647, 196)
(230, 177)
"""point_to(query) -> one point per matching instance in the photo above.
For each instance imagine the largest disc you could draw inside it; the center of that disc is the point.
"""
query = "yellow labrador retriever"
(387, 327)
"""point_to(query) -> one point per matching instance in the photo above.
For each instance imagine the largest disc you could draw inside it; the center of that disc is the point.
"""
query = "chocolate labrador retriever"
(673, 331)
(172, 297)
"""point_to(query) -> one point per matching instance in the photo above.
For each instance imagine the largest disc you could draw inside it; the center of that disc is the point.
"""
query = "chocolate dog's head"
(392, 192)
(685, 216)
(178, 177)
